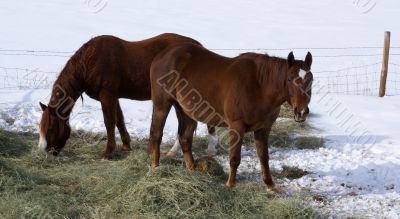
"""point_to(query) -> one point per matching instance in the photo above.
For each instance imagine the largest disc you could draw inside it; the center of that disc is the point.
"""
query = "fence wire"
(24, 78)
(353, 80)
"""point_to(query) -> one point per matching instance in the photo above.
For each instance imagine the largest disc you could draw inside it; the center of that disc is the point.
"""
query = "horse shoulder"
(242, 95)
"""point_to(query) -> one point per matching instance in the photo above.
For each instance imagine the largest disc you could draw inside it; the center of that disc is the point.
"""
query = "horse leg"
(212, 141)
(160, 114)
(126, 139)
(109, 107)
(186, 129)
(174, 150)
(261, 141)
(236, 133)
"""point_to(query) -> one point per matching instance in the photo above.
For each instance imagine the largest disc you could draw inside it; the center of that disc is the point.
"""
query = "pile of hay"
(80, 185)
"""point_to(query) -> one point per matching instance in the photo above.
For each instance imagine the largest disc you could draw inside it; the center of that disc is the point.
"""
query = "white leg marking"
(42, 142)
(212, 142)
(174, 150)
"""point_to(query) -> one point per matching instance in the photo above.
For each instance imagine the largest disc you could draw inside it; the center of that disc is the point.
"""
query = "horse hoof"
(274, 190)
(229, 186)
(126, 148)
(171, 154)
(191, 167)
(211, 153)
(106, 157)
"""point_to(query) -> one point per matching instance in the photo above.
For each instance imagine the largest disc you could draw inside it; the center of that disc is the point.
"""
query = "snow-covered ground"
(358, 168)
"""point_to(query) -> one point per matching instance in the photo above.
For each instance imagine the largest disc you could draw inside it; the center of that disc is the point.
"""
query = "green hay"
(292, 172)
(285, 133)
(80, 185)
(286, 111)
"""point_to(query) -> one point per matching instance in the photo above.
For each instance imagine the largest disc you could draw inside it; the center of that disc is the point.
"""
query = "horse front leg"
(261, 142)
(109, 107)
(236, 133)
(126, 139)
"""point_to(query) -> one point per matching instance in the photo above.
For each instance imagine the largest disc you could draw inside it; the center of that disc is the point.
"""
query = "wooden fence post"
(385, 64)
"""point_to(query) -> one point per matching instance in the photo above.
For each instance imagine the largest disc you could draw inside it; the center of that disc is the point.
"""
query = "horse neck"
(273, 73)
(66, 90)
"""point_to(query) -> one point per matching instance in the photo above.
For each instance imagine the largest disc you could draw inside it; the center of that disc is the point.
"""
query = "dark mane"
(70, 78)
(270, 69)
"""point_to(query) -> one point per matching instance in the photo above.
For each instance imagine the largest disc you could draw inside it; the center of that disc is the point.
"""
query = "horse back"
(121, 66)
(219, 82)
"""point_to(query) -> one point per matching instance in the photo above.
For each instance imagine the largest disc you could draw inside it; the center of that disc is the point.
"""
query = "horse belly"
(201, 110)
(135, 86)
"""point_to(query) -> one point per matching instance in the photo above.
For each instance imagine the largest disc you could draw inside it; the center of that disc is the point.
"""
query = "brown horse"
(106, 68)
(244, 93)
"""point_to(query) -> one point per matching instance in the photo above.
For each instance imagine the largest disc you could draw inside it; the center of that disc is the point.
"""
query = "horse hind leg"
(186, 141)
(126, 139)
(236, 132)
(159, 117)
(186, 129)
(212, 141)
(211, 148)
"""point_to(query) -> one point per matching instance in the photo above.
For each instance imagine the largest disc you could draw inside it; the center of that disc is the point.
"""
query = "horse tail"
(179, 57)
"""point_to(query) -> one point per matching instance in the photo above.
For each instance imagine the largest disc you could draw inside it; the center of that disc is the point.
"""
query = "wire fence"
(360, 80)
(23, 78)
(349, 79)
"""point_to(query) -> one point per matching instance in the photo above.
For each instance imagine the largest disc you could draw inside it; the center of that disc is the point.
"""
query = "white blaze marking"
(302, 74)
(42, 142)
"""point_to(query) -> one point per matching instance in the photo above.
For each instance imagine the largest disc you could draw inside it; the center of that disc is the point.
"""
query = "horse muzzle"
(300, 115)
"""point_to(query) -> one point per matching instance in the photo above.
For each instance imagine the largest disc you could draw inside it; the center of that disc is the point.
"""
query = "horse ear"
(290, 59)
(44, 107)
(308, 60)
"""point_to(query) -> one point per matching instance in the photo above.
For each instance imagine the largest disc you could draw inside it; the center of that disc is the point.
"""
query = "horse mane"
(77, 64)
(71, 76)
(269, 69)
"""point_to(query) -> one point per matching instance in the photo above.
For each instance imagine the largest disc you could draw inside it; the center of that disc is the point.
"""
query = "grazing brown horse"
(105, 68)
(244, 93)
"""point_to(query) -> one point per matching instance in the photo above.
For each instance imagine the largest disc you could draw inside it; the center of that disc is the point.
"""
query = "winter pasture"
(343, 162)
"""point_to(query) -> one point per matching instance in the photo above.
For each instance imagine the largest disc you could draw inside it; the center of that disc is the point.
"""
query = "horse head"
(54, 130)
(299, 83)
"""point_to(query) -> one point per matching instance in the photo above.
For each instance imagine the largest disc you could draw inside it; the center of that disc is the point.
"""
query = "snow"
(358, 175)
